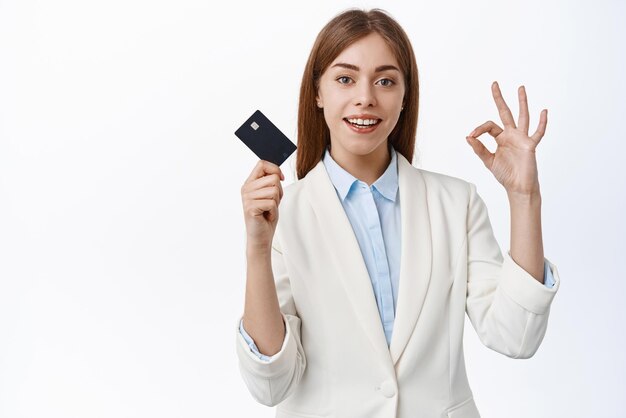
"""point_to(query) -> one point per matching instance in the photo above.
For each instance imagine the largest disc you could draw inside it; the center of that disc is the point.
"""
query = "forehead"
(367, 53)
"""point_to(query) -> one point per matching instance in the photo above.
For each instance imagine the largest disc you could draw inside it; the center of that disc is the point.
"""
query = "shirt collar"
(387, 183)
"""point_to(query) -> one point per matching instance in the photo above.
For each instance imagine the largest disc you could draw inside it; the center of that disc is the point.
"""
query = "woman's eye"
(342, 77)
(391, 82)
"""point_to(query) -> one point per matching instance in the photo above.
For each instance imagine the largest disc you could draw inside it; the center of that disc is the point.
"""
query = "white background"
(122, 241)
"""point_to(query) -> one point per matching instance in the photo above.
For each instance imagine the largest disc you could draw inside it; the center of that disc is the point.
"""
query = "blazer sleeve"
(507, 306)
(271, 381)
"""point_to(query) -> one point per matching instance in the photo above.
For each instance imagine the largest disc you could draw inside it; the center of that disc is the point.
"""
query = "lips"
(362, 116)
(363, 121)
(366, 130)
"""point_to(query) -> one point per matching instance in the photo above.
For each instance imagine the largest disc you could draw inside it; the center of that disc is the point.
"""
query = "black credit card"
(265, 139)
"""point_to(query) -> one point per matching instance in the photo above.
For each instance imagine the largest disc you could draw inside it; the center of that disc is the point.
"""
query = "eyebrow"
(355, 68)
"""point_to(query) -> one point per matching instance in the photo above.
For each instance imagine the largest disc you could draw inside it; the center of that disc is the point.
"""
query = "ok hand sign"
(513, 164)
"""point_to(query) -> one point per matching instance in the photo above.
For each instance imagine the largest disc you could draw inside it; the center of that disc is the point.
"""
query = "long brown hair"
(344, 29)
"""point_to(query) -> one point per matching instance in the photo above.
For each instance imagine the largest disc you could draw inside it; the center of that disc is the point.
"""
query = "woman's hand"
(260, 195)
(513, 164)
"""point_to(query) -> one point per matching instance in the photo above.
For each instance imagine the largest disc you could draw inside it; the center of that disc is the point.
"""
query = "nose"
(365, 96)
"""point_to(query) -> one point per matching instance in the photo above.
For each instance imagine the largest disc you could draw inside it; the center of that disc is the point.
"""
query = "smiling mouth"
(362, 126)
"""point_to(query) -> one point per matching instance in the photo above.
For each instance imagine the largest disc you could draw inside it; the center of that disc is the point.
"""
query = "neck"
(367, 168)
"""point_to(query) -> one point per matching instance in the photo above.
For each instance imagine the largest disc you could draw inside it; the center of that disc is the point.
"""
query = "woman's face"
(363, 82)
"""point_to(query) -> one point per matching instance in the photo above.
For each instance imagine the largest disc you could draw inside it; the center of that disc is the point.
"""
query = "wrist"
(258, 250)
(526, 199)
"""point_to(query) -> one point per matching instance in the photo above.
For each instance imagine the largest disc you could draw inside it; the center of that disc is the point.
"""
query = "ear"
(319, 100)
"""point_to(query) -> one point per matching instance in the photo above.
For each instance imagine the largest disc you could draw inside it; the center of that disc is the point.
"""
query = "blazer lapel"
(416, 255)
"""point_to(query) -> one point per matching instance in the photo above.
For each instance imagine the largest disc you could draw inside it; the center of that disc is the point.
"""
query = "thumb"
(481, 150)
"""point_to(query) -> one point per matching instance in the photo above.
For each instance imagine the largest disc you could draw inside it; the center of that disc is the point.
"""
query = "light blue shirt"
(374, 212)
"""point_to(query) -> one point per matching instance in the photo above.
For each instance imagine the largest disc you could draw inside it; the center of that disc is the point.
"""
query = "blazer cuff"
(524, 289)
(278, 364)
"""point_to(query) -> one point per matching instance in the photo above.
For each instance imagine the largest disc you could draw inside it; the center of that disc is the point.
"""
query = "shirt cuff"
(548, 279)
(251, 343)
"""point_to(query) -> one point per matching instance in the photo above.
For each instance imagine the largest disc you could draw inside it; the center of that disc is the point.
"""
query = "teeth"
(364, 121)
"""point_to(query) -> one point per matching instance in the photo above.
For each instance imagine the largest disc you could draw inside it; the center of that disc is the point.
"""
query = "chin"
(362, 146)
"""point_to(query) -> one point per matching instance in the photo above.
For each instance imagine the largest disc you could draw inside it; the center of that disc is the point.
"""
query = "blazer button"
(388, 390)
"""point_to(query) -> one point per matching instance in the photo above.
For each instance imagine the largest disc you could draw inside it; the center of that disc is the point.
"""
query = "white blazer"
(335, 361)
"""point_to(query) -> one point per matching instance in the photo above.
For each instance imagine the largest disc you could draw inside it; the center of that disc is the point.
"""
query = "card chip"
(255, 126)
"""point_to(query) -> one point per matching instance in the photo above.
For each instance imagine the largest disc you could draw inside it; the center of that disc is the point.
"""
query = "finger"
(503, 109)
(268, 181)
(481, 150)
(541, 129)
(522, 121)
(266, 205)
(271, 180)
(263, 168)
(269, 192)
(489, 127)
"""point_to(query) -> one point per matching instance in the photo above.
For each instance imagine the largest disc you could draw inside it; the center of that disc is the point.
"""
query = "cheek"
(396, 98)
(334, 106)
(333, 119)
(333, 98)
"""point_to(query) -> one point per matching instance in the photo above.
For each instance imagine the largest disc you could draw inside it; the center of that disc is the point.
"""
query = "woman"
(355, 300)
